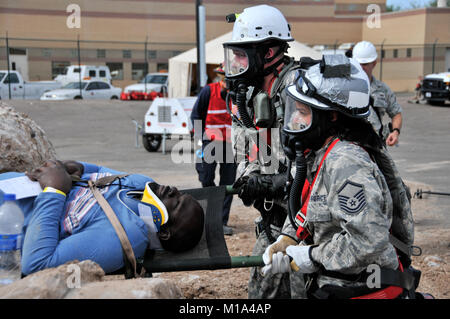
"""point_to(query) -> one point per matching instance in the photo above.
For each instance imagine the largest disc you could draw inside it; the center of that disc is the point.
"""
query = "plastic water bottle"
(11, 222)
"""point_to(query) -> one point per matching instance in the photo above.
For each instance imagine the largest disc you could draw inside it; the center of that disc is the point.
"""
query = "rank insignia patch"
(351, 197)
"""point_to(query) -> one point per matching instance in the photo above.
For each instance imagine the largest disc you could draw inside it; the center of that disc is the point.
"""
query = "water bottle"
(11, 222)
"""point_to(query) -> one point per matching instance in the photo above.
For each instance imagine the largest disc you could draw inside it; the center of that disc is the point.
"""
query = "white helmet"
(260, 23)
(254, 31)
(365, 52)
(335, 83)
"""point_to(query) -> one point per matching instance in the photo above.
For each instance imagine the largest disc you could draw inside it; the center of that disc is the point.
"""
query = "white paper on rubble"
(22, 187)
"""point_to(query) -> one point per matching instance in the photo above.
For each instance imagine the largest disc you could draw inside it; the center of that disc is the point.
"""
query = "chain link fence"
(128, 61)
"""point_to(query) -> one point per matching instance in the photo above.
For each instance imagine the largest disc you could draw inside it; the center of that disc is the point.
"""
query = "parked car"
(89, 90)
(151, 86)
(75, 73)
(436, 88)
(21, 89)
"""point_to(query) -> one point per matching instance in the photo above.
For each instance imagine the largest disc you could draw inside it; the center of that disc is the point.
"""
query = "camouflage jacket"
(243, 139)
(384, 101)
(349, 212)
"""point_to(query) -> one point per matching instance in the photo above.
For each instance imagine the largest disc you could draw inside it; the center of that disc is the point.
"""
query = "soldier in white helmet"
(257, 71)
(341, 214)
(383, 99)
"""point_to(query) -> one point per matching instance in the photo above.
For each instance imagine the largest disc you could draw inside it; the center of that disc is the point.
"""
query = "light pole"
(201, 63)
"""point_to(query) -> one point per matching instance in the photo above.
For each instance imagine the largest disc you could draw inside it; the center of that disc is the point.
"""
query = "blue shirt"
(59, 228)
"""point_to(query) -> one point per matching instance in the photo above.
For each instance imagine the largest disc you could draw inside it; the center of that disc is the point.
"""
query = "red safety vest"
(390, 292)
(218, 121)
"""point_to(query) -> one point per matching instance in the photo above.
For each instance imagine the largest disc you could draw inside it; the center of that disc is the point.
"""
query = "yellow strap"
(49, 189)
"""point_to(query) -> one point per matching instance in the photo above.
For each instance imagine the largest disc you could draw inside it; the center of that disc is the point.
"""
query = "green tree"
(392, 8)
(433, 3)
(413, 4)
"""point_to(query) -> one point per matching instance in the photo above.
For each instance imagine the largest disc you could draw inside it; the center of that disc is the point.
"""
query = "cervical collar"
(148, 199)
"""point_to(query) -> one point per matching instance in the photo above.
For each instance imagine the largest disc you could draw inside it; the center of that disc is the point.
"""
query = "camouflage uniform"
(349, 213)
(280, 285)
(384, 101)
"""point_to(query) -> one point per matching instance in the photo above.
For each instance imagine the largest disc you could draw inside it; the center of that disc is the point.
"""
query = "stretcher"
(211, 252)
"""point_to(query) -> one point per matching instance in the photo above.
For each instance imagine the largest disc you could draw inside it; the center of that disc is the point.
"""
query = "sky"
(405, 4)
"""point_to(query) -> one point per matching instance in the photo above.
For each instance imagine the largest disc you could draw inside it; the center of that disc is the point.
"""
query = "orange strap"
(306, 192)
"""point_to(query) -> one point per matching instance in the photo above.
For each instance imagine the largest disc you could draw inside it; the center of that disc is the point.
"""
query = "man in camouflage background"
(384, 100)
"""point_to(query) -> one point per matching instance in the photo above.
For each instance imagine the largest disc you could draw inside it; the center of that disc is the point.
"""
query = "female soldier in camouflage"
(346, 211)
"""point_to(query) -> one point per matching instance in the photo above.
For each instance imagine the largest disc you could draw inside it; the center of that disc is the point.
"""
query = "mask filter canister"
(263, 112)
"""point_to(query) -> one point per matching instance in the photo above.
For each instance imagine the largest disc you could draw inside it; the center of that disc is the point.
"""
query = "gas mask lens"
(298, 116)
(236, 61)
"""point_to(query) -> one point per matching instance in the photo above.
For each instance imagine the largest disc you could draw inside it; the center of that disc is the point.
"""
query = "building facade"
(133, 36)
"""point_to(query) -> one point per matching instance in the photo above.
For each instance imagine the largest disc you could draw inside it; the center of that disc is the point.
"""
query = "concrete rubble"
(24, 146)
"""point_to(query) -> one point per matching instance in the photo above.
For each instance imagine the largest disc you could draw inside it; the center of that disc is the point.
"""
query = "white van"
(88, 72)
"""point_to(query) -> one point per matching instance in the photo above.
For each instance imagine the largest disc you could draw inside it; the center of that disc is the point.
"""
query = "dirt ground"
(226, 283)
(232, 283)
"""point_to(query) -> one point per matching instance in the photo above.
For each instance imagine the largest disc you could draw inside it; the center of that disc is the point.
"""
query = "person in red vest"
(215, 134)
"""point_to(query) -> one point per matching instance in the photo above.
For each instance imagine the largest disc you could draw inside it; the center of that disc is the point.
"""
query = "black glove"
(257, 186)
(240, 184)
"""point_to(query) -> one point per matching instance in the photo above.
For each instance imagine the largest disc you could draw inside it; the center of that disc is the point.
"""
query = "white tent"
(180, 66)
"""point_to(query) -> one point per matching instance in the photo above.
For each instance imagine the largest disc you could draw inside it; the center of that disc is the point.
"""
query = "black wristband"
(315, 262)
(396, 129)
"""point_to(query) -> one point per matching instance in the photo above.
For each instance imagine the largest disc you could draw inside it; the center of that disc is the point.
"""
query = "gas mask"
(243, 64)
(334, 83)
(305, 124)
(244, 68)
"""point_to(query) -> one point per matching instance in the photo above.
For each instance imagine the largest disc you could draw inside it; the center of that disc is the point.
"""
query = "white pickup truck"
(75, 73)
(20, 89)
(151, 83)
(436, 88)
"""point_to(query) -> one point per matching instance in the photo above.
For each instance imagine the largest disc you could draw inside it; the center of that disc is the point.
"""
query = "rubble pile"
(24, 146)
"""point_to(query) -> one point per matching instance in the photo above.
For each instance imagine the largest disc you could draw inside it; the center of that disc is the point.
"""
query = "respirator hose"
(241, 98)
(295, 194)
